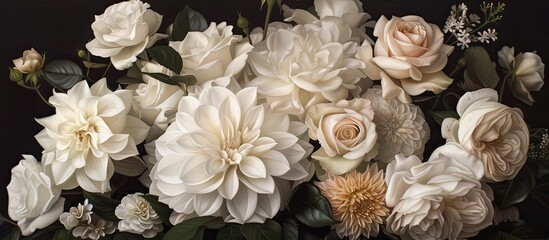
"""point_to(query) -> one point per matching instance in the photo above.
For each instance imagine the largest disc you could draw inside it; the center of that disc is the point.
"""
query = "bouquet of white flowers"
(318, 126)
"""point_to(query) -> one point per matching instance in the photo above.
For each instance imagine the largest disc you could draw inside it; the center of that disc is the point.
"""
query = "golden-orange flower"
(357, 200)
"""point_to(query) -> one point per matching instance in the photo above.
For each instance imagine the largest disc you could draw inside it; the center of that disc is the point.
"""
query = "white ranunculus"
(495, 133)
(401, 127)
(155, 102)
(31, 61)
(137, 216)
(346, 134)
(411, 55)
(349, 11)
(81, 214)
(123, 31)
(214, 55)
(90, 128)
(227, 156)
(439, 199)
(33, 200)
(528, 72)
(308, 64)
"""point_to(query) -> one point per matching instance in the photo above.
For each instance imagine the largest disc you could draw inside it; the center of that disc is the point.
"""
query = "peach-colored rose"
(31, 61)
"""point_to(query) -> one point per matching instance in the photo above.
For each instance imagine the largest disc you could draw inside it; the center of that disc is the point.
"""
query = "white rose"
(493, 132)
(346, 134)
(215, 55)
(527, 71)
(155, 102)
(33, 201)
(411, 54)
(31, 61)
(439, 199)
(308, 64)
(90, 128)
(137, 216)
(123, 31)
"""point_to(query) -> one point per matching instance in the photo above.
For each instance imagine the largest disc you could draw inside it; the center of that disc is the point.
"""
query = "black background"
(60, 27)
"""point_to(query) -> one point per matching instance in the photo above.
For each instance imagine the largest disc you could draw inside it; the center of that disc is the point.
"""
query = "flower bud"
(15, 75)
(32, 78)
(81, 53)
(31, 61)
(242, 22)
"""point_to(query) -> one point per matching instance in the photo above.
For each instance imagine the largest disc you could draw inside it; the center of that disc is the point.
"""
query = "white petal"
(243, 205)
(207, 204)
(253, 167)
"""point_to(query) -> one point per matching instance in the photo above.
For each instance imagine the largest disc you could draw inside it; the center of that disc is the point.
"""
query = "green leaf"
(161, 209)
(230, 231)
(167, 57)
(510, 192)
(439, 116)
(418, 99)
(187, 80)
(63, 234)
(43, 234)
(480, 68)
(63, 73)
(290, 229)
(332, 235)
(13, 234)
(520, 230)
(127, 80)
(163, 78)
(181, 25)
(542, 198)
(450, 101)
(310, 207)
(102, 206)
(270, 230)
(188, 228)
(128, 236)
(199, 234)
(387, 233)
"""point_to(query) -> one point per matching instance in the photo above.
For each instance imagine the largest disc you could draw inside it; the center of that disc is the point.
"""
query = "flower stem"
(106, 70)
(8, 220)
(42, 97)
(457, 68)
(267, 20)
(502, 88)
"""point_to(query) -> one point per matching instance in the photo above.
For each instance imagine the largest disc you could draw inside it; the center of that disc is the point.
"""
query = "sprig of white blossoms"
(468, 28)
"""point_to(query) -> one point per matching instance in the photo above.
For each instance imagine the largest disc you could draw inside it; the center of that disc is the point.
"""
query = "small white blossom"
(137, 216)
(77, 215)
(474, 18)
(487, 35)
(96, 229)
(464, 38)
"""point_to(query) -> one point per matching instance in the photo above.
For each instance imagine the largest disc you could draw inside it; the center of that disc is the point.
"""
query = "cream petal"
(392, 90)
(207, 117)
(253, 167)
(61, 171)
(336, 165)
(28, 226)
(136, 128)
(132, 166)
(527, 63)
(96, 168)
(481, 95)
(301, 16)
(230, 185)
(259, 185)
(207, 204)
(98, 49)
(243, 205)
(275, 163)
(434, 82)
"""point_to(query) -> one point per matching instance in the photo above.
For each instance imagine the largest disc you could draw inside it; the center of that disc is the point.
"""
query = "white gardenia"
(308, 64)
(33, 200)
(401, 127)
(123, 31)
(227, 156)
(439, 199)
(91, 127)
(155, 102)
(349, 11)
(527, 69)
(137, 216)
(495, 133)
(214, 55)
(346, 134)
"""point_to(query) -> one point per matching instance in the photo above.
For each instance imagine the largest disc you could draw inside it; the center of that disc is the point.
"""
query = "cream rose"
(346, 134)
(215, 55)
(527, 72)
(33, 203)
(493, 132)
(123, 31)
(411, 54)
(31, 61)
(439, 199)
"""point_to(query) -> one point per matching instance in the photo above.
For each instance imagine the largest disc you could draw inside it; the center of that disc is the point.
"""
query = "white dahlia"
(90, 128)
(227, 156)
(308, 64)
(401, 127)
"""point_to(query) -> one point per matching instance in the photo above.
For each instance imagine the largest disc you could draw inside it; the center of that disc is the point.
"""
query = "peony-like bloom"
(215, 55)
(308, 64)
(439, 199)
(123, 31)
(90, 128)
(412, 55)
(33, 200)
(495, 133)
(31, 61)
(401, 127)
(155, 102)
(95, 229)
(346, 134)
(82, 214)
(349, 11)
(358, 201)
(527, 72)
(137, 216)
(227, 156)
